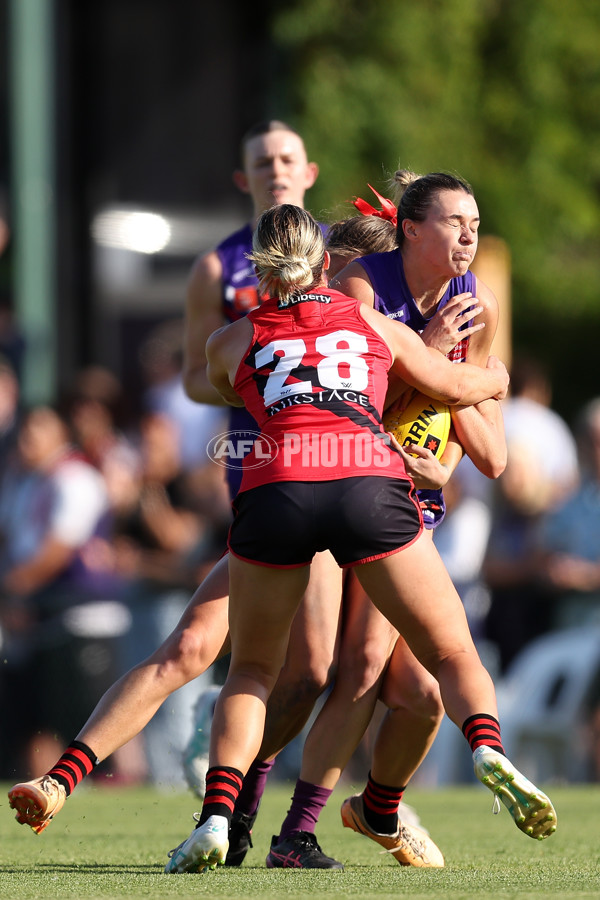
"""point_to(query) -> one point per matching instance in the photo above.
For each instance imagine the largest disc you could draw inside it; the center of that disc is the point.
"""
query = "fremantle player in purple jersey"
(223, 286)
(427, 282)
(394, 298)
(441, 303)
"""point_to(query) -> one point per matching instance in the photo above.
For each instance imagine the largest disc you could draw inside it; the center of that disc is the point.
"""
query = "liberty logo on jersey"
(230, 449)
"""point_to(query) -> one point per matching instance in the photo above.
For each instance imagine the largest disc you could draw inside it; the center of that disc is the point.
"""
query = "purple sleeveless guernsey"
(394, 299)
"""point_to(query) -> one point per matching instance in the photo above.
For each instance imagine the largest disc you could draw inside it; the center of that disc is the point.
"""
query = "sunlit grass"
(113, 842)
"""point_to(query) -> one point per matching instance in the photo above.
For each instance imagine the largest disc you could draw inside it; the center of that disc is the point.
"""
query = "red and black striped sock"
(76, 762)
(483, 729)
(380, 803)
(223, 784)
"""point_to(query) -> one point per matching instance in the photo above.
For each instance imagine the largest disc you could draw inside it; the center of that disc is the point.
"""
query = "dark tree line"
(504, 92)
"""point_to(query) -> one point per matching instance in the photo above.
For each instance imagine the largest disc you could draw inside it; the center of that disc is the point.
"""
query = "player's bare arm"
(224, 350)
(203, 316)
(446, 328)
(354, 282)
(429, 370)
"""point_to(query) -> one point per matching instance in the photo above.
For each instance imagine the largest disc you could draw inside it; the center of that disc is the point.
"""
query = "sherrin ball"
(423, 421)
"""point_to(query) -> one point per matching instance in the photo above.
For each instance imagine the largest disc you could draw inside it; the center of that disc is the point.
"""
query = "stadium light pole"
(31, 43)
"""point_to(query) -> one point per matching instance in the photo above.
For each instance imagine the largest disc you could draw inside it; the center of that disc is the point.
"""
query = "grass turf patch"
(111, 842)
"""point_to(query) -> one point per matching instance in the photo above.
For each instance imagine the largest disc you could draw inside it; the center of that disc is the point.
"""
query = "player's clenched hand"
(424, 468)
(495, 363)
(450, 324)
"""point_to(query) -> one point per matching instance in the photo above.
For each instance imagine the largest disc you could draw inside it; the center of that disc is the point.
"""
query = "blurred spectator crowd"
(524, 553)
(109, 519)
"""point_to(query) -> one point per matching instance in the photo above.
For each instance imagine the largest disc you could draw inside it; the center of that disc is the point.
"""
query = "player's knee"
(305, 690)
(309, 676)
(313, 682)
(184, 656)
(428, 702)
(423, 701)
(362, 667)
(251, 675)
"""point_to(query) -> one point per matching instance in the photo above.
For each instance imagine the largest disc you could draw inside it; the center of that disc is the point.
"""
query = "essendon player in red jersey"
(369, 521)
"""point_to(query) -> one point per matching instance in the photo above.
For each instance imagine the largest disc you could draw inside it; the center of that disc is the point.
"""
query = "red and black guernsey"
(316, 371)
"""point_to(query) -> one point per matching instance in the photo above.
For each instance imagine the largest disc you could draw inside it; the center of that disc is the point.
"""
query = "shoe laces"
(50, 784)
(196, 818)
(242, 823)
(306, 839)
(496, 806)
(404, 832)
(417, 846)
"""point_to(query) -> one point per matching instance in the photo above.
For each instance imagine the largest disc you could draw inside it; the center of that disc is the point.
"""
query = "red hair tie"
(388, 210)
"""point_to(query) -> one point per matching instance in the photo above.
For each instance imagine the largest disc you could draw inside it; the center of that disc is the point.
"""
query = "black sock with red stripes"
(483, 730)
(380, 804)
(223, 784)
(76, 762)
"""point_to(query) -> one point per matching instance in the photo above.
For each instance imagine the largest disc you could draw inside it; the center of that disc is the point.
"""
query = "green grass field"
(112, 842)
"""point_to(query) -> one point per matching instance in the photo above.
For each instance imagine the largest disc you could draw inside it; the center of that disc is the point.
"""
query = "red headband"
(388, 210)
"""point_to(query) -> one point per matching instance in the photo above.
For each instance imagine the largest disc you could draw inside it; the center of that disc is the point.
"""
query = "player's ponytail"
(288, 251)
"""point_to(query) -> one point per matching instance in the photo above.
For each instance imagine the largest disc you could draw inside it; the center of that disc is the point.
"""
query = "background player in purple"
(223, 286)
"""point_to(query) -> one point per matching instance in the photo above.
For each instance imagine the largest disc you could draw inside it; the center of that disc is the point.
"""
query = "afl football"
(423, 421)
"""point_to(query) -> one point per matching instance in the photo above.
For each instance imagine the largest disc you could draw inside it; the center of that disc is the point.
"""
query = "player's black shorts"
(360, 519)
